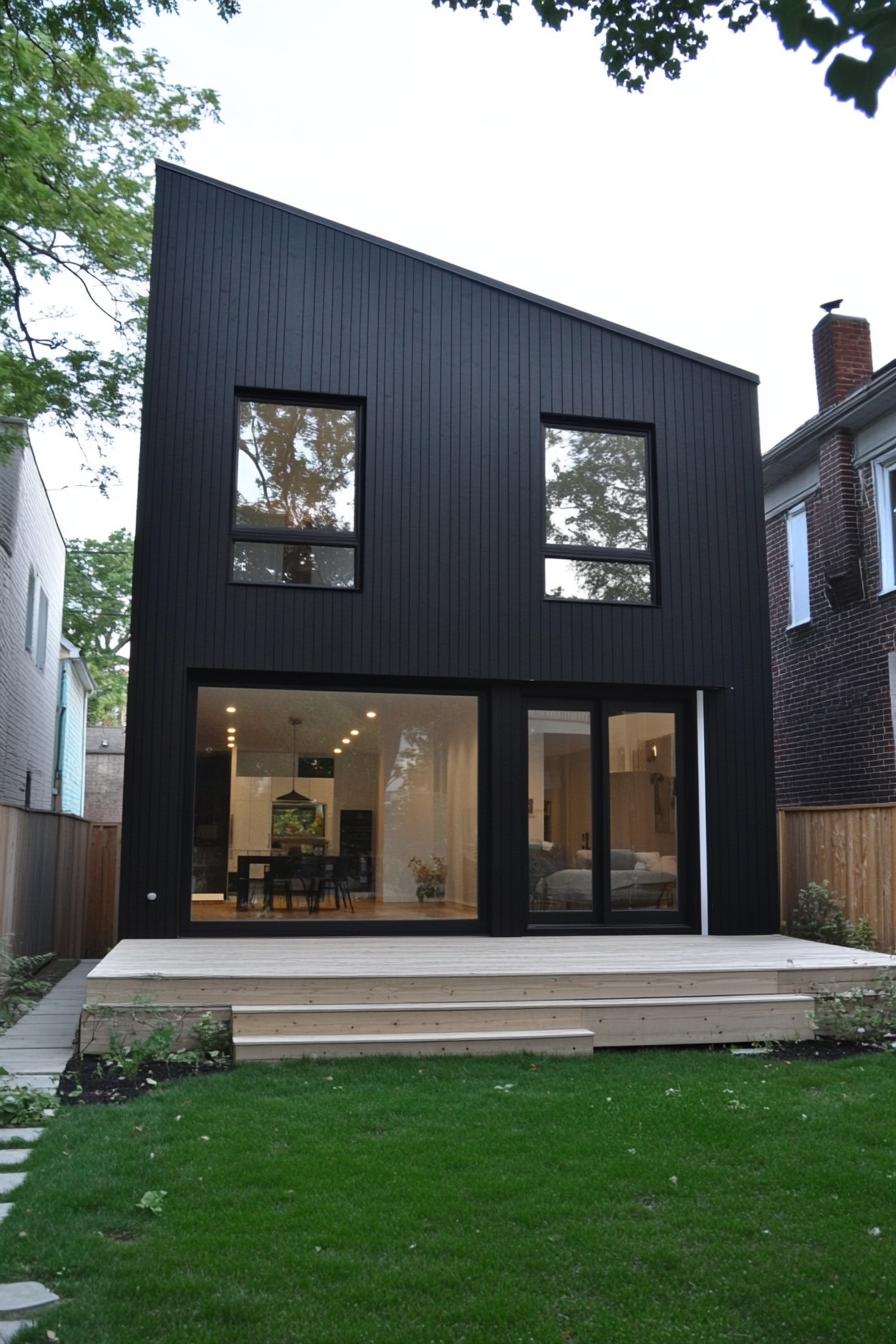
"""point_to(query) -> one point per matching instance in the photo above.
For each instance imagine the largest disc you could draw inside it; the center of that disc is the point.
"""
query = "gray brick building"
(32, 575)
(104, 774)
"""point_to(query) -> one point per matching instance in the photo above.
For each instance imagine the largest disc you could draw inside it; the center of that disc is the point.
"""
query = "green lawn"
(636, 1198)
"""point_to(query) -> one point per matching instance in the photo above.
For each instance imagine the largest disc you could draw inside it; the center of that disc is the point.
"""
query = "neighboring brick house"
(830, 496)
(105, 774)
(32, 574)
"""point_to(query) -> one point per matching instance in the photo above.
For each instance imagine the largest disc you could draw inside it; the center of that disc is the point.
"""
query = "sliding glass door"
(604, 813)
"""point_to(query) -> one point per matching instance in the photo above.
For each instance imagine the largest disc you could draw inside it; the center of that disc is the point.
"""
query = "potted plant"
(430, 875)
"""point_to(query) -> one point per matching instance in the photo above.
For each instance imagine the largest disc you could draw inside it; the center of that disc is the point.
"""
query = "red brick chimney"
(842, 349)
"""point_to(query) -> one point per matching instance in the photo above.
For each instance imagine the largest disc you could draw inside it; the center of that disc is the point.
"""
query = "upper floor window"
(37, 618)
(295, 512)
(29, 611)
(885, 491)
(798, 565)
(598, 517)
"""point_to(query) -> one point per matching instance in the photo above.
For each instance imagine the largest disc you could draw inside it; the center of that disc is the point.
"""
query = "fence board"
(101, 916)
(853, 848)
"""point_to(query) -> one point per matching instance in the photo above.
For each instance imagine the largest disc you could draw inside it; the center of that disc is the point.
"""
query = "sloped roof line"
(553, 305)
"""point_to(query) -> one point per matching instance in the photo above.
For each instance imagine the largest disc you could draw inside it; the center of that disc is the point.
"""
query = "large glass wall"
(560, 876)
(316, 805)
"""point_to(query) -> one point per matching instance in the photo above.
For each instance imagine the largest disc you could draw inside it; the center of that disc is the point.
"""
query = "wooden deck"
(472, 994)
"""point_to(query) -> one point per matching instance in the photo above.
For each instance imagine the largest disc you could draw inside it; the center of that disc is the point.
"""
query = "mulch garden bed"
(88, 1081)
(823, 1049)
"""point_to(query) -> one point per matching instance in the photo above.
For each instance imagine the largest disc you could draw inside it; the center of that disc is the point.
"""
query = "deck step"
(657, 1020)
(572, 1041)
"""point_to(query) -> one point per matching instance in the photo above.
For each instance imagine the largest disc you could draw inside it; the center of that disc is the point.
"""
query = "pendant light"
(294, 796)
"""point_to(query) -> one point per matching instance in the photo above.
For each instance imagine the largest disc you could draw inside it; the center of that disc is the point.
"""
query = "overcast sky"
(716, 212)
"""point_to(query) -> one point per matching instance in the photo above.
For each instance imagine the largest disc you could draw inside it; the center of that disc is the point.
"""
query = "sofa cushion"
(622, 859)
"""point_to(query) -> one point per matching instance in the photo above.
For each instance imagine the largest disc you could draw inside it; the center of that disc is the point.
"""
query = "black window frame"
(621, 555)
(296, 536)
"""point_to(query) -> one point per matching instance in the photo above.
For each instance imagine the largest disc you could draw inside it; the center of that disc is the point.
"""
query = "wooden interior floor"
(203, 911)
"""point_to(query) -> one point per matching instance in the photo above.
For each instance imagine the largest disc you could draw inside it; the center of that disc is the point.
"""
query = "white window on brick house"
(885, 494)
(798, 565)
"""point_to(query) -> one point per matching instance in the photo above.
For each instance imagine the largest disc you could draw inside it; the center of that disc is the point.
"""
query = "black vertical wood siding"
(455, 375)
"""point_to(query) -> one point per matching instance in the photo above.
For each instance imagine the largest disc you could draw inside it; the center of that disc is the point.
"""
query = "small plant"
(819, 916)
(24, 1106)
(212, 1037)
(152, 1201)
(867, 1016)
(126, 1059)
(430, 875)
(18, 987)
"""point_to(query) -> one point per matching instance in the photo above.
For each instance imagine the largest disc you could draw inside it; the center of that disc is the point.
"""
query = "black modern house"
(450, 605)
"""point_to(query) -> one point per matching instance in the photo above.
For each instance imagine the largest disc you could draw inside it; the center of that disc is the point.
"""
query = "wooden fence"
(58, 883)
(853, 848)
(43, 870)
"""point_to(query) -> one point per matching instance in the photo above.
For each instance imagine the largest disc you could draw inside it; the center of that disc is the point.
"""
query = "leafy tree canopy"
(80, 24)
(79, 130)
(97, 617)
(640, 37)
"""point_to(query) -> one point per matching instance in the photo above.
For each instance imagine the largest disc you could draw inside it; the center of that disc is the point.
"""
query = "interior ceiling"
(262, 718)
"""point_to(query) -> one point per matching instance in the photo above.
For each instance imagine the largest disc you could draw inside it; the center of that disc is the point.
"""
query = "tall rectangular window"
(798, 565)
(598, 523)
(43, 614)
(885, 490)
(295, 511)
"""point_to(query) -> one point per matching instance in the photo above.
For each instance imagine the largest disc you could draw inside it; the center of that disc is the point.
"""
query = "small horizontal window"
(279, 562)
(597, 580)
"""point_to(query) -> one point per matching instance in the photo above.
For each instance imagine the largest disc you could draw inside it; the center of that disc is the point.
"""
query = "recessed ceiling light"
(354, 732)
(231, 709)
(337, 751)
(371, 713)
(346, 741)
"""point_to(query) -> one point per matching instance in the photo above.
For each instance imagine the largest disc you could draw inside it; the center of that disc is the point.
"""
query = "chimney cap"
(831, 305)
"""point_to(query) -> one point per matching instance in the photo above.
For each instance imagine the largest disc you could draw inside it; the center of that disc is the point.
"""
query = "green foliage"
(152, 1201)
(78, 134)
(212, 1037)
(126, 1058)
(24, 1106)
(640, 37)
(819, 916)
(867, 1016)
(127, 1055)
(81, 24)
(18, 987)
(97, 616)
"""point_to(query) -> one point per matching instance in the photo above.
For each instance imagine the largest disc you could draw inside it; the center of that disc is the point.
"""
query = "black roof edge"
(516, 293)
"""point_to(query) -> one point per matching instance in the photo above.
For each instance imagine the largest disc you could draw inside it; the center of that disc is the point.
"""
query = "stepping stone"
(38, 1082)
(21, 1133)
(5, 1211)
(11, 1180)
(14, 1157)
(9, 1329)
(28, 1296)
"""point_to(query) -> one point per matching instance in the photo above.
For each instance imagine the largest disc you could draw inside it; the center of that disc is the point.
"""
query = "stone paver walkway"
(34, 1053)
(36, 1050)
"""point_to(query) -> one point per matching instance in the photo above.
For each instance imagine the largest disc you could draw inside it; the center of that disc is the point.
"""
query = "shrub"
(24, 1106)
(868, 1015)
(18, 987)
(819, 916)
